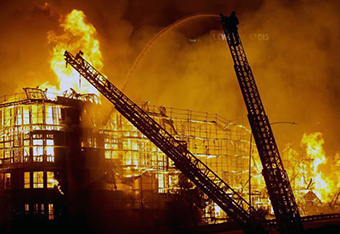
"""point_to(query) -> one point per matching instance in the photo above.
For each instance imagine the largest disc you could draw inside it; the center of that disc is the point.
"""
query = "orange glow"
(52, 182)
(78, 35)
(310, 170)
(324, 187)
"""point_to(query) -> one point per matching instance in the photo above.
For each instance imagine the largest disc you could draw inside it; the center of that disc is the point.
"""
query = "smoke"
(295, 68)
(292, 47)
(296, 71)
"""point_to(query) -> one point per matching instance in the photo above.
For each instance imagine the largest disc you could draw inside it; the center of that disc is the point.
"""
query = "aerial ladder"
(209, 182)
(280, 192)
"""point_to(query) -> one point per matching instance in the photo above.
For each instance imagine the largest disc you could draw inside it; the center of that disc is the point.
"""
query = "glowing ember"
(52, 182)
(78, 35)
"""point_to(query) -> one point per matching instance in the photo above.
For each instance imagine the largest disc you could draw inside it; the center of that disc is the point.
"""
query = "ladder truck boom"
(204, 178)
(280, 192)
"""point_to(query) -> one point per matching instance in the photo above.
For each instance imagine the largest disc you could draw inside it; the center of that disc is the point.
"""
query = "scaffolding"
(72, 143)
(30, 123)
(219, 143)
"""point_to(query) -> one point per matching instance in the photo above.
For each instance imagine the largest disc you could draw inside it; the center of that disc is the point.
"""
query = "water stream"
(182, 20)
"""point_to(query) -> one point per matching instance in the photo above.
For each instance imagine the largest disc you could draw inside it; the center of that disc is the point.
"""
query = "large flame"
(78, 35)
(310, 170)
(324, 187)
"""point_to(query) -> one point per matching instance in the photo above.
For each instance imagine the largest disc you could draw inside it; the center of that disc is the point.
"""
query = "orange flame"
(55, 183)
(78, 35)
(310, 170)
(324, 187)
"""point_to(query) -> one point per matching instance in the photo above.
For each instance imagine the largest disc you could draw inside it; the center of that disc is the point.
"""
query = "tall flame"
(324, 187)
(314, 175)
(78, 35)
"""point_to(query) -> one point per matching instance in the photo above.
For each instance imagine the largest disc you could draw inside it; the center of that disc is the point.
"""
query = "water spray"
(182, 20)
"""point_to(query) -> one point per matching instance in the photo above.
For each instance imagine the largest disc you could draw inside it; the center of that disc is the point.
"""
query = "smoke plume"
(292, 47)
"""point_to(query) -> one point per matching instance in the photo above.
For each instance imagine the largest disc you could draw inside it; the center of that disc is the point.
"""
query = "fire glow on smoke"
(305, 175)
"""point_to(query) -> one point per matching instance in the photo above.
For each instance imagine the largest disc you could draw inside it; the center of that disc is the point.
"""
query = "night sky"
(292, 46)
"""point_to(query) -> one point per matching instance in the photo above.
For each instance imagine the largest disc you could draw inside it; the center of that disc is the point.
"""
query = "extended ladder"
(204, 178)
(280, 192)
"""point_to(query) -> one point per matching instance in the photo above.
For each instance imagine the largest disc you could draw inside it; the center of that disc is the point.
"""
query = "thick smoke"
(292, 47)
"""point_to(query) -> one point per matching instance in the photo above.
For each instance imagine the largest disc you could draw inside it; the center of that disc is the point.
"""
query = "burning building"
(70, 161)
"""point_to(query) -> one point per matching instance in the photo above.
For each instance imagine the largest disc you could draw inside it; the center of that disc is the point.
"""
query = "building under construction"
(71, 161)
(68, 162)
